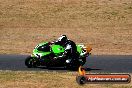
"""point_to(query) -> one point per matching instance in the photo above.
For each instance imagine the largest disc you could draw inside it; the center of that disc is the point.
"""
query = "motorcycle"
(44, 53)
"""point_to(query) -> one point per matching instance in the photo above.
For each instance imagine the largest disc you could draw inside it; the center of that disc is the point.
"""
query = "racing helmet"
(63, 39)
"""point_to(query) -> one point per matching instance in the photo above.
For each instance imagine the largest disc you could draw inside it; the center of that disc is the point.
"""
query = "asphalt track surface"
(95, 63)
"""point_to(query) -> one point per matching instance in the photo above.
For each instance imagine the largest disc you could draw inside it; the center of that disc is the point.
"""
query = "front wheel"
(30, 62)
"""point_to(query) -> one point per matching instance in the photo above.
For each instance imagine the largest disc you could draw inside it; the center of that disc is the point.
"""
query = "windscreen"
(44, 48)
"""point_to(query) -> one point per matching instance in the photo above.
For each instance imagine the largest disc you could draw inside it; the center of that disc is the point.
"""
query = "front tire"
(30, 62)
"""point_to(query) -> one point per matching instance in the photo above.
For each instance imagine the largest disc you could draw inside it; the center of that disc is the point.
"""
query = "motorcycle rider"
(70, 48)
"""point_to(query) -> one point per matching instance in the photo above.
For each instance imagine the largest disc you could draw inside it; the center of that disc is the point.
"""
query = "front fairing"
(56, 49)
(38, 54)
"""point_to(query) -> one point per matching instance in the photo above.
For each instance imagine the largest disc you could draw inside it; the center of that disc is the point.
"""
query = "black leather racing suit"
(70, 50)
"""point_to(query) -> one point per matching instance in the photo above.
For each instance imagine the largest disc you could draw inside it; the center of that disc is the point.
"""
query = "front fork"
(35, 59)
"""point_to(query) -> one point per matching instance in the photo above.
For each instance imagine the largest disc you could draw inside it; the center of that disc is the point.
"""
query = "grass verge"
(34, 79)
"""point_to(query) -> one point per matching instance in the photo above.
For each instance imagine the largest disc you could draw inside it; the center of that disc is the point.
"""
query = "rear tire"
(83, 61)
(73, 66)
(30, 62)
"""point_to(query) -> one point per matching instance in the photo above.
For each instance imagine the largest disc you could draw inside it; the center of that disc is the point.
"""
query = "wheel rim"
(30, 62)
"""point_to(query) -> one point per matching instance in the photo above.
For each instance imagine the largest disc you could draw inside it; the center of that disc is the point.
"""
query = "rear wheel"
(30, 62)
(83, 61)
(74, 65)
(73, 68)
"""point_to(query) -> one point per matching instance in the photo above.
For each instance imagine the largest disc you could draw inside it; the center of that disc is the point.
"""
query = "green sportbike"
(44, 53)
